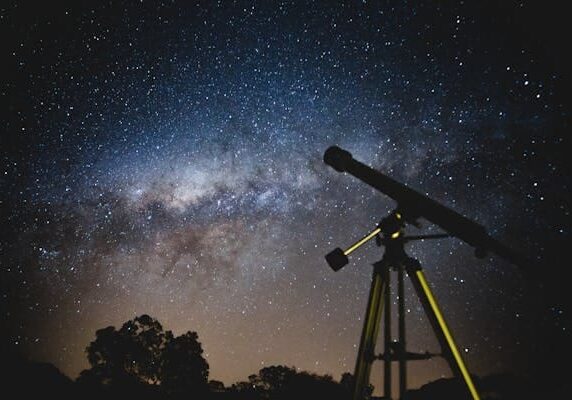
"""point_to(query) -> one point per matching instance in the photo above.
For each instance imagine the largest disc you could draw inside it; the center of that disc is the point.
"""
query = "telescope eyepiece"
(337, 158)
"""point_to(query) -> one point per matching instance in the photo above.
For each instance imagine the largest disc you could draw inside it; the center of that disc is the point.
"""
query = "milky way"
(167, 159)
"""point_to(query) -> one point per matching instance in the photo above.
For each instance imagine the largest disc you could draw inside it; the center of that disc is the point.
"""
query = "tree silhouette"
(216, 386)
(141, 354)
(146, 341)
(183, 368)
(129, 355)
(273, 379)
(143, 361)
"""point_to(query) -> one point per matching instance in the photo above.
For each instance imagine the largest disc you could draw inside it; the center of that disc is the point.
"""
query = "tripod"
(397, 260)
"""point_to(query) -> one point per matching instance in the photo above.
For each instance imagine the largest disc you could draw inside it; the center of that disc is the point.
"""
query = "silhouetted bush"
(281, 382)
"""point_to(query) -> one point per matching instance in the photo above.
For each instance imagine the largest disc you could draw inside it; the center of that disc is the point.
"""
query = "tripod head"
(412, 205)
(388, 232)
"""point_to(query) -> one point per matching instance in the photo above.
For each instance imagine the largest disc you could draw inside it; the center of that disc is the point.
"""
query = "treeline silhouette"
(143, 361)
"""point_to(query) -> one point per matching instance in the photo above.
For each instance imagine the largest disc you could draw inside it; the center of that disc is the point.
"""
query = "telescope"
(413, 205)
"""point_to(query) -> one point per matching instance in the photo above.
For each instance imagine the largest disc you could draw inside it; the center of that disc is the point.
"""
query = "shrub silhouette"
(281, 383)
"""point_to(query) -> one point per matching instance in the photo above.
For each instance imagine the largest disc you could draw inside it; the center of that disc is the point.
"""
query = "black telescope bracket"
(388, 231)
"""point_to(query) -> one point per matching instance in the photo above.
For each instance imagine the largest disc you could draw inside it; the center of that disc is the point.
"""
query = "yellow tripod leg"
(369, 334)
(437, 318)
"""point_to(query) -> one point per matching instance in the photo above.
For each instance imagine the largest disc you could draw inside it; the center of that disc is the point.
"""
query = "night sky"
(166, 158)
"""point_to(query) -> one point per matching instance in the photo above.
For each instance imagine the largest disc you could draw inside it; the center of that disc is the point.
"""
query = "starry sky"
(166, 158)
